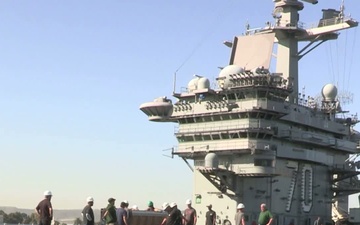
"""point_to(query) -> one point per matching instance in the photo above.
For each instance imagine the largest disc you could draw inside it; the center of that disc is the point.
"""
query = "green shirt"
(111, 215)
(264, 217)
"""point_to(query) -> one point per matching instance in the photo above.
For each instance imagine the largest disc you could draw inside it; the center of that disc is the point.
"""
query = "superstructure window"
(198, 137)
(181, 139)
(225, 117)
(231, 97)
(243, 135)
(262, 94)
(215, 136)
(189, 138)
(263, 162)
(207, 137)
(241, 96)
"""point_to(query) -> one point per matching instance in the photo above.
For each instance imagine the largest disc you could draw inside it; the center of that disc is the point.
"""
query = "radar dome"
(198, 83)
(225, 73)
(329, 92)
(211, 160)
(192, 85)
(203, 83)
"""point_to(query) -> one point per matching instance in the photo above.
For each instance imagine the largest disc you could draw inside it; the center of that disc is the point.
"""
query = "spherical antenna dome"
(225, 73)
(198, 82)
(203, 83)
(329, 92)
(192, 85)
(211, 160)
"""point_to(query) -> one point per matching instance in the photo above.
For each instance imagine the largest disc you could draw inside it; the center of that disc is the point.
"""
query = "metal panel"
(247, 54)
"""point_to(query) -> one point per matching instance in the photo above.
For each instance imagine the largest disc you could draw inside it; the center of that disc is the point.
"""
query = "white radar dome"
(329, 92)
(203, 83)
(211, 160)
(198, 83)
(224, 81)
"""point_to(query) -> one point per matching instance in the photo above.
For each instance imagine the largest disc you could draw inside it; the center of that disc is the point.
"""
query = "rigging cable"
(345, 55)
(337, 64)
(351, 58)
(207, 35)
(331, 64)
(331, 60)
(219, 18)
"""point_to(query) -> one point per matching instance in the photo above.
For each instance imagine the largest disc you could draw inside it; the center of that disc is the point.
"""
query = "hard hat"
(126, 202)
(135, 207)
(89, 199)
(188, 201)
(165, 205)
(241, 206)
(173, 204)
(47, 193)
(150, 204)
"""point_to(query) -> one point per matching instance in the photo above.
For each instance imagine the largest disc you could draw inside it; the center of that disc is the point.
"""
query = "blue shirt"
(120, 214)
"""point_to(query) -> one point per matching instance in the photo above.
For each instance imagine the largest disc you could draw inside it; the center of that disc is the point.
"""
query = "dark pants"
(45, 222)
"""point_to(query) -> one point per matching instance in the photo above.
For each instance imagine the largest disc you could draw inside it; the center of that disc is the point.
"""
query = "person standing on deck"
(110, 213)
(88, 213)
(240, 215)
(44, 209)
(150, 206)
(265, 216)
(175, 216)
(190, 214)
(166, 208)
(129, 212)
(210, 216)
(121, 214)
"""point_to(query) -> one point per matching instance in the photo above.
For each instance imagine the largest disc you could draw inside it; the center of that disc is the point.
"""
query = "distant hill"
(59, 214)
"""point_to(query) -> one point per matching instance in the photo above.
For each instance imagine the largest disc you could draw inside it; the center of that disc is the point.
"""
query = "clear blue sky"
(73, 74)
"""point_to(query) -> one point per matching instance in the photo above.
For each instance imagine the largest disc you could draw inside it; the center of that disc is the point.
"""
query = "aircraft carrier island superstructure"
(254, 139)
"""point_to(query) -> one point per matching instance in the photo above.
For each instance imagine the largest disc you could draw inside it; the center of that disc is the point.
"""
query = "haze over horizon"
(73, 76)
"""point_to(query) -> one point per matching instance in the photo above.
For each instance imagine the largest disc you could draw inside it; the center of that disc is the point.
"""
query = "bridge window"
(207, 137)
(198, 137)
(263, 162)
(215, 136)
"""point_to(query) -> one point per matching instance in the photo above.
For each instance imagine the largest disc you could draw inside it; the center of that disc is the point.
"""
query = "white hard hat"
(89, 199)
(47, 193)
(135, 207)
(165, 205)
(188, 201)
(173, 204)
(241, 206)
(126, 202)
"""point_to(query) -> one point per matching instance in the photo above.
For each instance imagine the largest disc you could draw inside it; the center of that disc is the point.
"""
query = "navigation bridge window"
(222, 136)
(264, 162)
(228, 116)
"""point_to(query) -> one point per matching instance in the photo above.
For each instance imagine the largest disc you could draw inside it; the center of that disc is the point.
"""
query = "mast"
(287, 62)
(289, 33)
